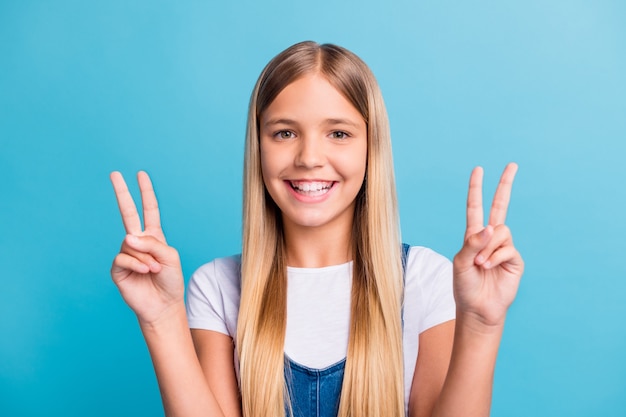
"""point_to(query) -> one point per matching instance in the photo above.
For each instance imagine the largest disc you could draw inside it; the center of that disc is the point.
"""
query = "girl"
(325, 313)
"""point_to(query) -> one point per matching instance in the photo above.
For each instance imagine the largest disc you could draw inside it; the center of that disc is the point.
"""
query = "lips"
(311, 188)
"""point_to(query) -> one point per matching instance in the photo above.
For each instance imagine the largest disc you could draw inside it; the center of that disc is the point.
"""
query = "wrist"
(474, 324)
(475, 345)
(171, 317)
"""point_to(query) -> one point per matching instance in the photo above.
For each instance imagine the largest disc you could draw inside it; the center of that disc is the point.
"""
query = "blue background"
(91, 87)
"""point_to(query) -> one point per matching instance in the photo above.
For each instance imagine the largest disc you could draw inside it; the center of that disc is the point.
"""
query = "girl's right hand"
(147, 271)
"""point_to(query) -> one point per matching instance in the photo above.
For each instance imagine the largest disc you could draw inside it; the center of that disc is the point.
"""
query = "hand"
(488, 268)
(147, 271)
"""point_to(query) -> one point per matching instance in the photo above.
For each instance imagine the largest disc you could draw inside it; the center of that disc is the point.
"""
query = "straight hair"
(373, 384)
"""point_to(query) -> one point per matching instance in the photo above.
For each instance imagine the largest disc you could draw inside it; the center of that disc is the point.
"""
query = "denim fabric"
(316, 392)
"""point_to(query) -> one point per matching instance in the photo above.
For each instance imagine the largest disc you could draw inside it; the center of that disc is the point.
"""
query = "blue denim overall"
(316, 392)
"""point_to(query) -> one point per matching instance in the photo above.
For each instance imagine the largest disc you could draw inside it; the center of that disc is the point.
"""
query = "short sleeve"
(428, 301)
(429, 274)
(213, 295)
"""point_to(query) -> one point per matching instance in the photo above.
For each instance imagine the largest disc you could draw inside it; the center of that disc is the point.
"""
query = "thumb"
(472, 246)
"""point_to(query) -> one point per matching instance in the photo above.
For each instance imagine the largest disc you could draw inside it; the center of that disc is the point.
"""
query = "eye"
(284, 134)
(338, 134)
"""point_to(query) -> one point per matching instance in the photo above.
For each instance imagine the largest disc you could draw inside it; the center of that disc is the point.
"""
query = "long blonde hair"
(373, 379)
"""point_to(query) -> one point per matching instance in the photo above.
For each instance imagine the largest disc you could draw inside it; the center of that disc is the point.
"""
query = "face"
(313, 154)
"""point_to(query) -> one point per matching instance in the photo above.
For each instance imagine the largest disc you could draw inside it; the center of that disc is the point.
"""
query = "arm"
(216, 353)
(486, 272)
(184, 389)
(148, 275)
(433, 359)
(468, 384)
(454, 371)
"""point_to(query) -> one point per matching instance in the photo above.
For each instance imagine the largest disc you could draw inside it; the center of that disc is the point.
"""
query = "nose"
(310, 152)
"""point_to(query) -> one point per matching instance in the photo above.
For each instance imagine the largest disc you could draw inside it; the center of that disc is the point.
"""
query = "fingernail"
(480, 259)
(487, 265)
(486, 231)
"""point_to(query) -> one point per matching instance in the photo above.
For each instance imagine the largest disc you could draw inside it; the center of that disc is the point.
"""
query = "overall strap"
(405, 255)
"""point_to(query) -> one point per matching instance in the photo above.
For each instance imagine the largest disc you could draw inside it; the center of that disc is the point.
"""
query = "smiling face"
(313, 144)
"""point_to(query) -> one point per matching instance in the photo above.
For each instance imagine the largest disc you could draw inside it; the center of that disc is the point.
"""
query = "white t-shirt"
(318, 306)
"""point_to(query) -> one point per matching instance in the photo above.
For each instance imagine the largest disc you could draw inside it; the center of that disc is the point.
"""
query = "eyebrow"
(290, 122)
(273, 122)
(341, 122)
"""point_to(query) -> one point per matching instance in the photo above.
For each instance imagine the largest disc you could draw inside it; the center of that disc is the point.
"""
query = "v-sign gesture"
(147, 271)
(488, 268)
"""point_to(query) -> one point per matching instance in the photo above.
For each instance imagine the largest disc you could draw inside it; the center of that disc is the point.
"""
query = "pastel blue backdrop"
(89, 87)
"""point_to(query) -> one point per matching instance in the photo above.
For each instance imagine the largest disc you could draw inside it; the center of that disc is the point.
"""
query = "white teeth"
(311, 188)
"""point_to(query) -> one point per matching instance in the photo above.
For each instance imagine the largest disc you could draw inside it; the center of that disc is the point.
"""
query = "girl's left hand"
(488, 268)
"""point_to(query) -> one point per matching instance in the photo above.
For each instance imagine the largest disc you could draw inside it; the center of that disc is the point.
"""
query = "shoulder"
(218, 276)
(213, 295)
(423, 263)
(428, 297)
(219, 271)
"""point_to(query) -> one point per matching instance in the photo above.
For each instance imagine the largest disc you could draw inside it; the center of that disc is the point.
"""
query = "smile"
(311, 188)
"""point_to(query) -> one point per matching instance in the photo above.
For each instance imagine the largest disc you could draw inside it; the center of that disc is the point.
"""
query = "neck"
(316, 247)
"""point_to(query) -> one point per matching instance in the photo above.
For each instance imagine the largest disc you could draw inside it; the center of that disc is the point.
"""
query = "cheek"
(353, 163)
(266, 175)
(266, 160)
(271, 168)
(270, 165)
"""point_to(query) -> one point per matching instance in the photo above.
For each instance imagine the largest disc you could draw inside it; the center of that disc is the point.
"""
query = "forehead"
(311, 97)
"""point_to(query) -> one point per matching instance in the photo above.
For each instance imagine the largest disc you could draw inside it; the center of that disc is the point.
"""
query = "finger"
(163, 254)
(502, 197)
(475, 217)
(501, 237)
(125, 202)
(142, 257)
(508, 257)
(472, 246)
(151, 215)
(124, 262)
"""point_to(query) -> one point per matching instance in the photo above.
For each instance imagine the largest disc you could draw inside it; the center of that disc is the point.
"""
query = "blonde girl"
(324, 313)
